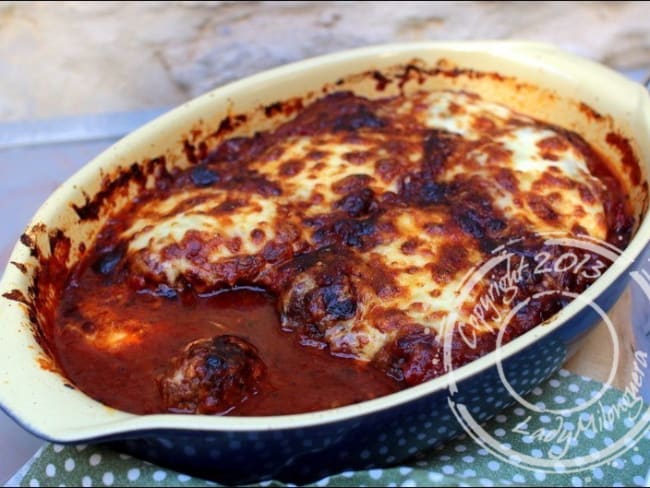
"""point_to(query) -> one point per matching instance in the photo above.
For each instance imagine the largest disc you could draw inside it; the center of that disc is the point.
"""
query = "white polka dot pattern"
(460, 462)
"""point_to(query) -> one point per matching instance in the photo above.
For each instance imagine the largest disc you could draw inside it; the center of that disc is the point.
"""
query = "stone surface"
(74, 58)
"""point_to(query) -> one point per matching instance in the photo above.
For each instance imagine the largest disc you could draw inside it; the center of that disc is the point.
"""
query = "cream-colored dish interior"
(550, 85)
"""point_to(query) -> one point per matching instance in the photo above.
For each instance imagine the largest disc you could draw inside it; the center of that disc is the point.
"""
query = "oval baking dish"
(534, 79)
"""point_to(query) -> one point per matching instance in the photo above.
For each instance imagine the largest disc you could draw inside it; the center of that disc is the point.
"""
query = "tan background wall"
(73, 58)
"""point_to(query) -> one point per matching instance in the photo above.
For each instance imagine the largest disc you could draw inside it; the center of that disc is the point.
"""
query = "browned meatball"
(412, 358)
(320, 293)
(212, 376)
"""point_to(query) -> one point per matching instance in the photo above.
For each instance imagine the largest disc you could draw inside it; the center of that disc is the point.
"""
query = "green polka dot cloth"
(584, 436)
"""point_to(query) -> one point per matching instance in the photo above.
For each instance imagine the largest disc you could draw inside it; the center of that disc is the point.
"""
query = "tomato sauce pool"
(125, 375)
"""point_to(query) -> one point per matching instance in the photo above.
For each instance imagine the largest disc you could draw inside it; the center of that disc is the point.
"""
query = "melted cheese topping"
(405, 194)
(532, 172)
(187, 233)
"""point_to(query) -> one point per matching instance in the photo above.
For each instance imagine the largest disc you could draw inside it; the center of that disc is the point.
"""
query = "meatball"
(324, 297)
(413, 358)
(212, 376)
(320, 298)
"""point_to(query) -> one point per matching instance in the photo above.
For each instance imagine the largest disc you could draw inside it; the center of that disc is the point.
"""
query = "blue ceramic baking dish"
(535, 79)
